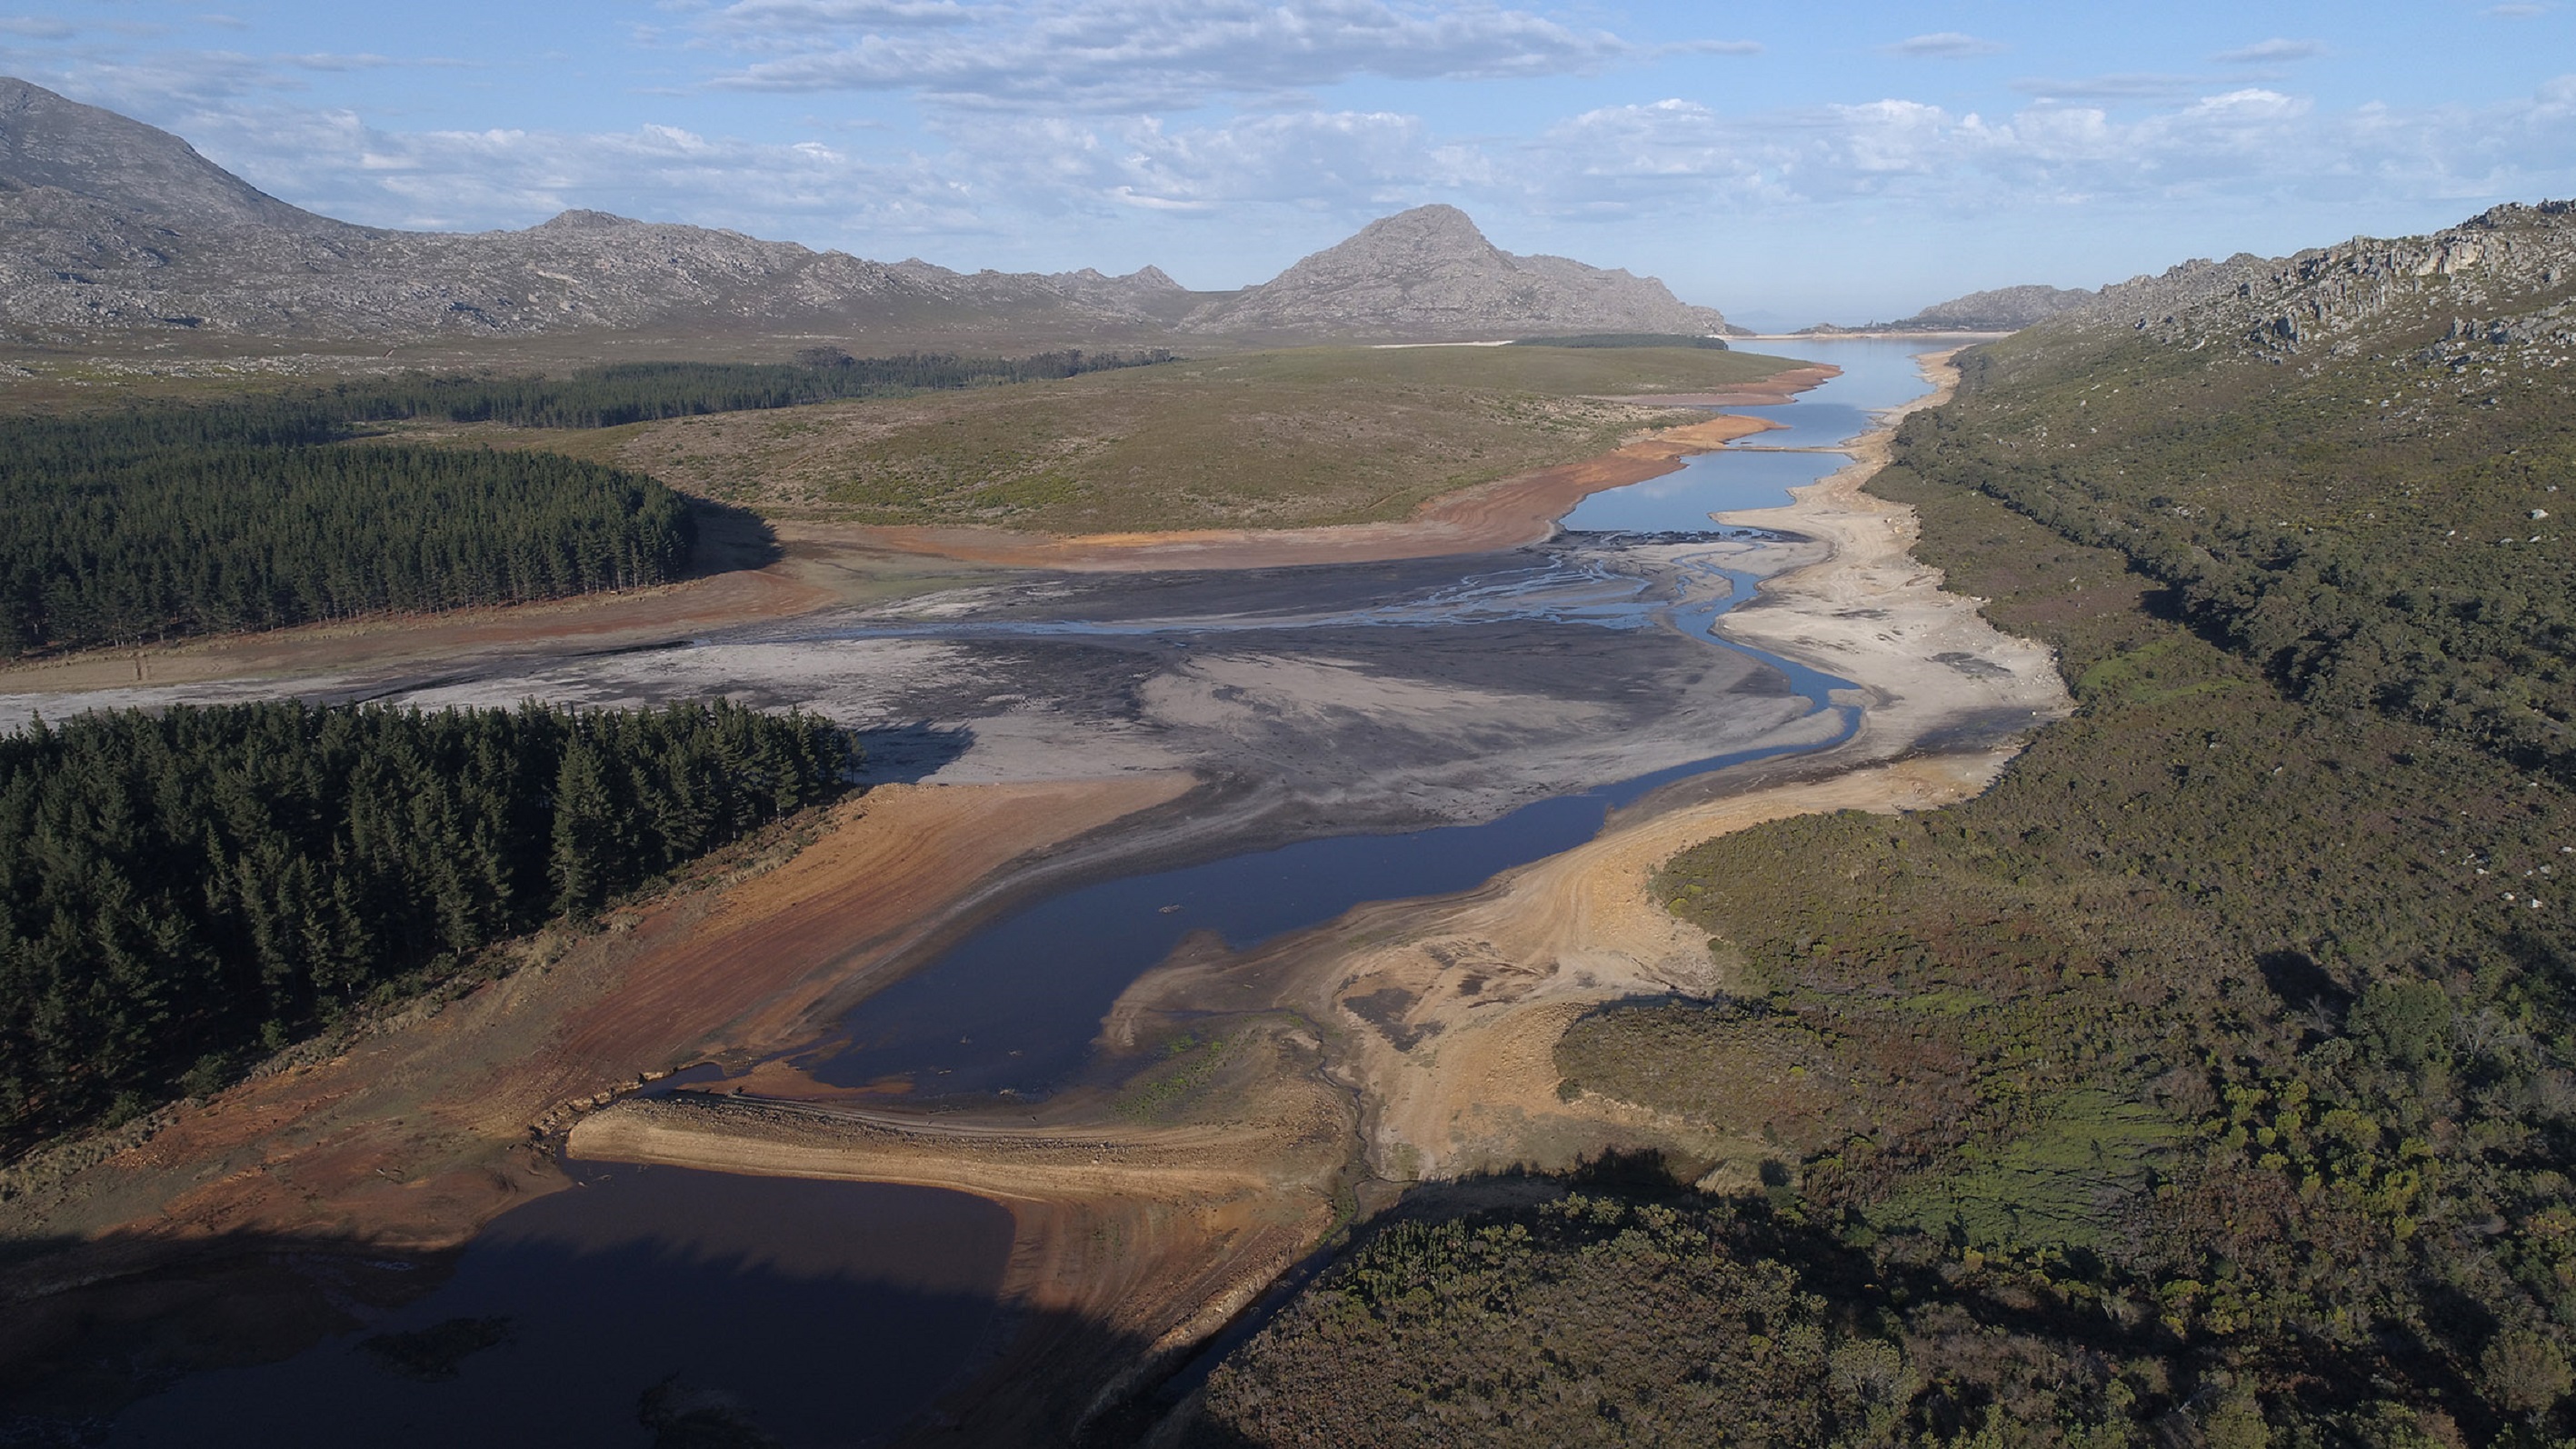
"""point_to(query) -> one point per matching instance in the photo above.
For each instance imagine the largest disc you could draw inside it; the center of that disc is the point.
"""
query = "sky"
(1786, 163)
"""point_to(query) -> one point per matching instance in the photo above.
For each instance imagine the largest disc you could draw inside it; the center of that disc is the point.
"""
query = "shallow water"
(1878, 373)
(832, 1311)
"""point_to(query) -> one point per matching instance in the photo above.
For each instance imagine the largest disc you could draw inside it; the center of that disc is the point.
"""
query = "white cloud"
(1945, 45)
(1147, 54)
(2266, 52)
(2253, 144)
(2120, 86)
(2515, 12)
(35, 27)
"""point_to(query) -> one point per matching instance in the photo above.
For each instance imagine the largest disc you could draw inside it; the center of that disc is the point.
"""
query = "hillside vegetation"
(182, 891)
(1276, 439)
(2210, 1080)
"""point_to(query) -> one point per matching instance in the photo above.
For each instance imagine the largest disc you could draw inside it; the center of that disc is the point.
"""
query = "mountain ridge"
(116, 230)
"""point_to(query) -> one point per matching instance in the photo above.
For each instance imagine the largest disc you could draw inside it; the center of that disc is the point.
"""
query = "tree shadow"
(725, 539)
(785, 1324)
(906, 754)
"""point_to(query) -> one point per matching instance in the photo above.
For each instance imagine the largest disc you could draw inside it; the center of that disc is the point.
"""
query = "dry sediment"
(1438, 1017)
(825, 564)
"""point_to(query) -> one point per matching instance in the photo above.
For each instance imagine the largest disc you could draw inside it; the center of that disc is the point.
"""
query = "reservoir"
(829, 1313)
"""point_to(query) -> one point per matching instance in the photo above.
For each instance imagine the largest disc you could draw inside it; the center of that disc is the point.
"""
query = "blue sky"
(1785, 163)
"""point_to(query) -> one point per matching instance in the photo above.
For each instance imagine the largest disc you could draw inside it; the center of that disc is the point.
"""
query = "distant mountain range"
(116, 229)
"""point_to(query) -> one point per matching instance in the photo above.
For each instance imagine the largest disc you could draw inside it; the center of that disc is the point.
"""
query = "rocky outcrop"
(1428, 275)
(2498, 280)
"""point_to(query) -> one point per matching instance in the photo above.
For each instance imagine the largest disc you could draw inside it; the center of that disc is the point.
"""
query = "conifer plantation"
(164, 520)
(181, 890)
(156, 522)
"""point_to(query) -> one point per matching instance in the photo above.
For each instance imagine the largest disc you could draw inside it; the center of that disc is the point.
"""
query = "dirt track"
(1135, 1241)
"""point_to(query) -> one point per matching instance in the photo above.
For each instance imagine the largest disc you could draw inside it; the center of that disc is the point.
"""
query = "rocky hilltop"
(2494, 284)
(1429, 275)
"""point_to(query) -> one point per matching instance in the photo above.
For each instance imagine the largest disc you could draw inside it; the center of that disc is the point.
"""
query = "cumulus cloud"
(1945, 45)
(2248, 143)
(1144, 54)
(2267, 52)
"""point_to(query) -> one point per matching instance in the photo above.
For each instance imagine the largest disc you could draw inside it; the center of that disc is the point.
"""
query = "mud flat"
(1135, 1240)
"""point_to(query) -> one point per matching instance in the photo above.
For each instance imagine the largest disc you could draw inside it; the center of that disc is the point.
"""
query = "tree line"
(635, 392)
(117, 538)
(181, 889)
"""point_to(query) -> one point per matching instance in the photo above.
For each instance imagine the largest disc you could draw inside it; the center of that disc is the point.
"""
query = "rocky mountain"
(1429, 275)
(2002, 309)
(2492, 286)
(112, 229)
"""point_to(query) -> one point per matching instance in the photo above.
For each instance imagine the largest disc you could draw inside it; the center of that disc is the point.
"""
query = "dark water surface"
(820, 1312)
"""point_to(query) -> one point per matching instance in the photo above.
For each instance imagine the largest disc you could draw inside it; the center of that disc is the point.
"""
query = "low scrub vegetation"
(2212, 1078)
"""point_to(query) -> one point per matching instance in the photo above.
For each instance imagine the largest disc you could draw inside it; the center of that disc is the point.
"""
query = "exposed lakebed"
(1376, 731)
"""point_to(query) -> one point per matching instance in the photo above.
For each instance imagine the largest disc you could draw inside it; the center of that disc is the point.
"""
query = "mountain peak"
(1429, 274)
(51, 141)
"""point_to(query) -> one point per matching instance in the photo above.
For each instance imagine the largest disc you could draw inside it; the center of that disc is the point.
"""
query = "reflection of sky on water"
(1877, 374)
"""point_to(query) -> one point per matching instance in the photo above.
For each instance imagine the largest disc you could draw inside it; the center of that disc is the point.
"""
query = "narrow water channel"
(828, 1313)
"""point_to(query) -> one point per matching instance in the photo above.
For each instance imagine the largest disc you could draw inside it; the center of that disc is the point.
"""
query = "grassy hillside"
(2213, 1078)
(1277, 439)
